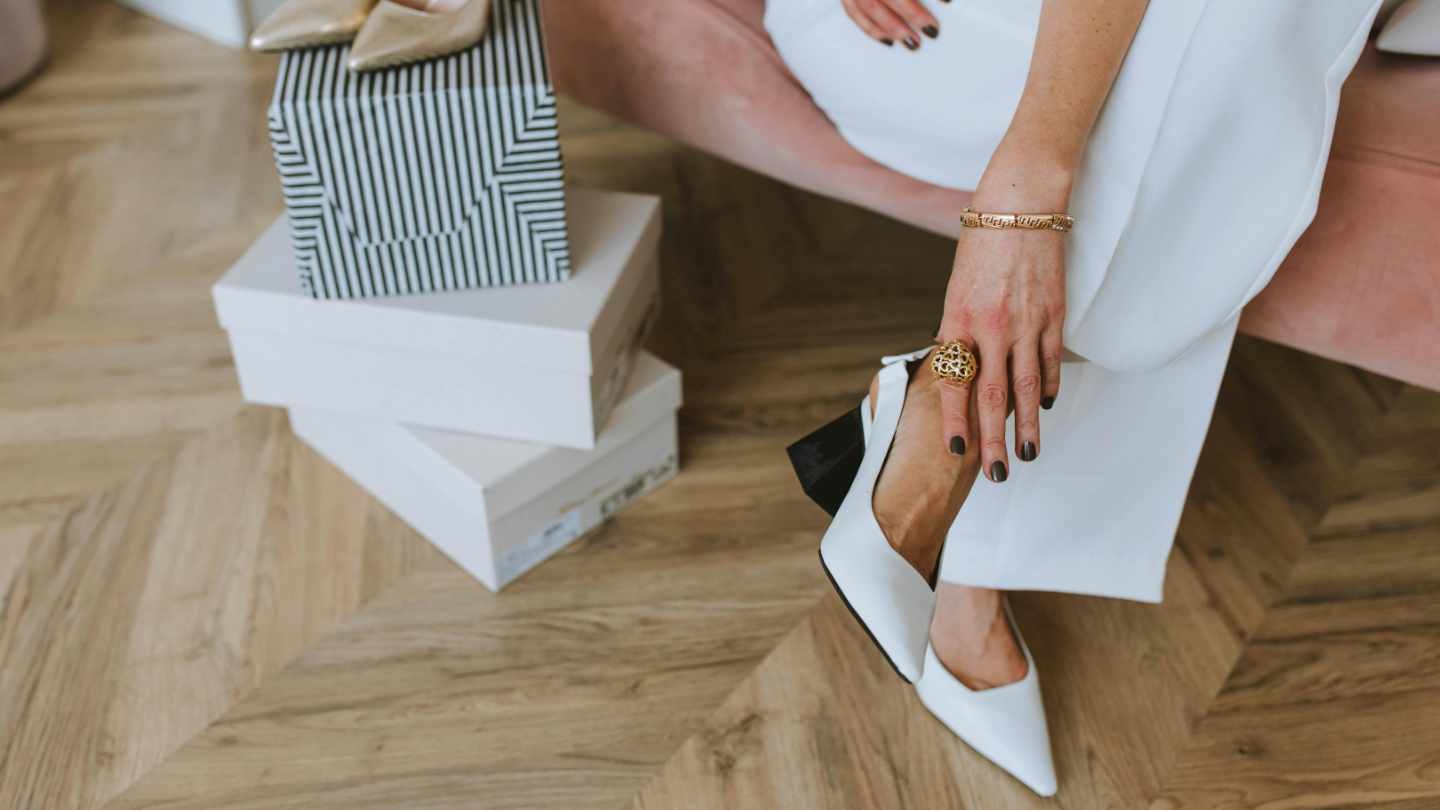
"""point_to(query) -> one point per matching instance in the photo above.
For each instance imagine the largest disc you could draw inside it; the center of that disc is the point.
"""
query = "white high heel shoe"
(889, 598)
(1005, 724)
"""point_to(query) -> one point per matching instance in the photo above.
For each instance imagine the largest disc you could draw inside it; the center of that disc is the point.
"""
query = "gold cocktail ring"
(954, 361)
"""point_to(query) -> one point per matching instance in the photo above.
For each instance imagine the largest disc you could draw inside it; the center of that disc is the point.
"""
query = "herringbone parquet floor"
(197, 611)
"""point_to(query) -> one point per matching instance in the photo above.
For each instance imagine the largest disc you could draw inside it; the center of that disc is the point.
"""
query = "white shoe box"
(543, 362)
(499, 507)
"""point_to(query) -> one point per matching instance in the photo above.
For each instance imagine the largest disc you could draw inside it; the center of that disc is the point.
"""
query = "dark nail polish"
(997, 471)
(1047, 402)
(931, 31)
(1027, 451)
(912, 43)
(957, 445)
(887, 42)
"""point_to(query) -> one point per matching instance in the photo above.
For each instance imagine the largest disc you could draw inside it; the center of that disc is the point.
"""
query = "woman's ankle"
(972, 637)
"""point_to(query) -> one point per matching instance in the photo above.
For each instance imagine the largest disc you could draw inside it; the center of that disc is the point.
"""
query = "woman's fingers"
(992, 394)
(879, 22)
(864, 23)
(1051, 350)
(1025, 382)
(890, 21)
(915, 16)
(955, 415)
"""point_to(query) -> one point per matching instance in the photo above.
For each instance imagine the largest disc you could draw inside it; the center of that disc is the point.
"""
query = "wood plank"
(1334, 666)
(1360, 751)
(109, 386)
(1377, 564)
(1334, 703)
(549, 695)
(149, 610)
(135, 118)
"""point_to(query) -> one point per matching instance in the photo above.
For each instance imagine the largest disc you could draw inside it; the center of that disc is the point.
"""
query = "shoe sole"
(307, 43)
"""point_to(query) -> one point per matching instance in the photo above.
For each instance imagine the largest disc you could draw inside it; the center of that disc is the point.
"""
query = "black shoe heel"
(827, 460)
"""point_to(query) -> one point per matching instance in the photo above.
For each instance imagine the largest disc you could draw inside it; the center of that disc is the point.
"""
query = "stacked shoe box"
(504, 409)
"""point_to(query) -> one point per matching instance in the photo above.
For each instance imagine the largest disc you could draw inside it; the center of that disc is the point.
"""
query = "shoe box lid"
(564, 327)
(491, 476)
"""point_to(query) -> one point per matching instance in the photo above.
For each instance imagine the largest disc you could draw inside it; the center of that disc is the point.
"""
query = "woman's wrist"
(1026, 178)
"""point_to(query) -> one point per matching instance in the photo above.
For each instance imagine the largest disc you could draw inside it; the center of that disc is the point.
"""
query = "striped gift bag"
(440, 175)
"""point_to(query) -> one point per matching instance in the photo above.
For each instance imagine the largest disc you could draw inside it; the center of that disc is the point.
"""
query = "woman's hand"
(889, 21)
(1006, 301)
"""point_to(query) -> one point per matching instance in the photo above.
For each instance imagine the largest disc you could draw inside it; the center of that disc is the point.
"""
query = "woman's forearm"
(1006, 296)
(1078, 50)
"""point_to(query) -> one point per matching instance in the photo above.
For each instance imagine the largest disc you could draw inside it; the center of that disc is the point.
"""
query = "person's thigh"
(936, 113)
(681, 68)
(705, 72)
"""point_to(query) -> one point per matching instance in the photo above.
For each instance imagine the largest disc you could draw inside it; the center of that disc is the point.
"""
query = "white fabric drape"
(1203, 170)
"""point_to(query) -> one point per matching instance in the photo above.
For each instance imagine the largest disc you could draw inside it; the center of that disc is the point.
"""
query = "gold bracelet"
(971, 218)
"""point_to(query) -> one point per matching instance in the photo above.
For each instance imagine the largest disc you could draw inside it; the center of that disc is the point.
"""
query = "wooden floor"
(198, 612)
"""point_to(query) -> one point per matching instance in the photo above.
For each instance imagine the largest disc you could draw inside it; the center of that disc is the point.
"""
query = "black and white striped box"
(543, 363)
(442, 175)
(497, 507)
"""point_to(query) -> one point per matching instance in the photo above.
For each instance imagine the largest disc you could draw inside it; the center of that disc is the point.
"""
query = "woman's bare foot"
(973, 639)
(920, 490)
(922, 484)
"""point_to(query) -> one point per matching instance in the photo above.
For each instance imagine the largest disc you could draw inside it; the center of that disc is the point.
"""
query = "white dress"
(1203, 170)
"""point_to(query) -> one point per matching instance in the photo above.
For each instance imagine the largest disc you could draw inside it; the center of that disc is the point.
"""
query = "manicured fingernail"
(997, 471)
(1047, 402)
(912, 43)
(887, 42)
(931, 31)
(1027, 451)
(957, 445)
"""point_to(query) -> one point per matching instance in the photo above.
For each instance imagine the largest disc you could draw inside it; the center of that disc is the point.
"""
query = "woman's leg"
(921, 488)
(705, 73)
